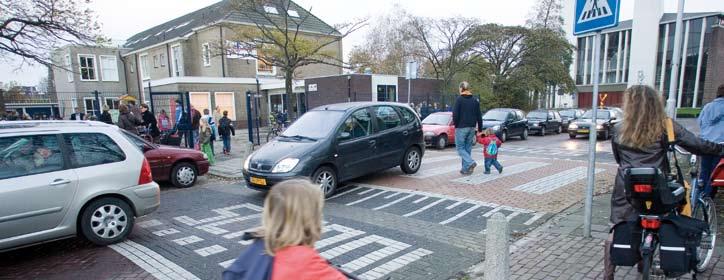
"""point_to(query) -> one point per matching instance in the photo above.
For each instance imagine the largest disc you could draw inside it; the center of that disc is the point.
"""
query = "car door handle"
(59, 182)
(372, 142)
(405, 133)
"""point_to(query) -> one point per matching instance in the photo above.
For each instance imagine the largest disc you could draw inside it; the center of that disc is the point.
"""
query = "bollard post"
(497, 251)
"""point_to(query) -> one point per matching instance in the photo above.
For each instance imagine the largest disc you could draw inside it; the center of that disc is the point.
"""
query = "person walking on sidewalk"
(466, 115)
(491, 144)
(639, 141)
(283, 247)
(711, 122)
(226, 129)
(205, 139)
(212, 123)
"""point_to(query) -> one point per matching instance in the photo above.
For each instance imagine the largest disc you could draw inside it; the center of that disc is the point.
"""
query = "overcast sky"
(122, 19)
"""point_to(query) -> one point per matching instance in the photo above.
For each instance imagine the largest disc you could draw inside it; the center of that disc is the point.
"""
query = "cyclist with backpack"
(490, 143)
(640, 140)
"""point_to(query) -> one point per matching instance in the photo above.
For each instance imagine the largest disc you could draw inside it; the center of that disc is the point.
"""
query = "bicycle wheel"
(705, 210)
(646, 272)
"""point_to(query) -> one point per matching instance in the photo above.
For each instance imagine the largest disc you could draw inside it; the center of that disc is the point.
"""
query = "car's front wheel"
(524, 136)
(542, 131)
(441, 141)
(183, 175)
(411, 161)
(326, 178)
(504, 136)
(106, 221)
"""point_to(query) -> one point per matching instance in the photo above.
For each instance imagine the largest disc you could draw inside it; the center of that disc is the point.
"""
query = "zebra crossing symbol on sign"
(595, 9)
(592, 15)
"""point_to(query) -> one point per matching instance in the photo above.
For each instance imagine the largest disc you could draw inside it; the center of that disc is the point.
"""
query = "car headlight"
(247, 161)
(429, 133)
(285, 165)
(599, 126)
(497, 127)
(535, 124)
(573, 126)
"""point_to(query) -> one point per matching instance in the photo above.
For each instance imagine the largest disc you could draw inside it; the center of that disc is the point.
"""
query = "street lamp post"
(675, 60)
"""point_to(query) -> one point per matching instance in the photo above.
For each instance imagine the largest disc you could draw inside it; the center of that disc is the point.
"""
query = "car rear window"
(28, 155)
(88, 149)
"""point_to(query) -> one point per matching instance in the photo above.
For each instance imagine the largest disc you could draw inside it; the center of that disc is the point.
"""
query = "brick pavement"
(69, 259)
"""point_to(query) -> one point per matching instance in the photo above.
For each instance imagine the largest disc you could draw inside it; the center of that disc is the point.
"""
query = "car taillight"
(145, 177)
(650, 223)
(643, 188)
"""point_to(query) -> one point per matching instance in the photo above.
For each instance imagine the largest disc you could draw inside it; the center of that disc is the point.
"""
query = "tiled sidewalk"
(557, 249)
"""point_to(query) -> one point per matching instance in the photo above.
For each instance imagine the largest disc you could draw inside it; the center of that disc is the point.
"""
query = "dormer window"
(293, 13)
(271, 10)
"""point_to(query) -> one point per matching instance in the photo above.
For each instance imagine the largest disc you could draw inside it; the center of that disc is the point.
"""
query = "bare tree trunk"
(288, 75)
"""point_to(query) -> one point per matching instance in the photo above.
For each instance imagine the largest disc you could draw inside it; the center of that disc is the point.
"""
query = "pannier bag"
(679, 238)
(626, 242)
(650, 192)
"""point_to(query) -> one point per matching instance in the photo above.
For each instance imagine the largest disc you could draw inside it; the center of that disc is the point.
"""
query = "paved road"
(428, 225)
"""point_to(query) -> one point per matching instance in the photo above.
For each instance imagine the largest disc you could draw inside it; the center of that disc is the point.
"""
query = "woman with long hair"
(640, 141)
(284, 245)
(205, 139)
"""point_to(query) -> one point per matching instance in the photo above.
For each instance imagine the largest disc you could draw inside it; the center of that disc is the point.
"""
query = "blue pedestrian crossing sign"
(593, 15)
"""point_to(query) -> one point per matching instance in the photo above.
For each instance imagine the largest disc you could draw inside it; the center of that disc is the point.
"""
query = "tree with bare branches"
(31, 29)
(279, 38)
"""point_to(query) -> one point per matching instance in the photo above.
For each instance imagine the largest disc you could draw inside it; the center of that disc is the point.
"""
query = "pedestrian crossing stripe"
(595, 9)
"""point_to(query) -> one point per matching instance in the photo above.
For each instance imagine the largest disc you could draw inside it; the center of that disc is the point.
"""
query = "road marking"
(224, 213)
(214, 228)
(149, 223)
(438, 159)
(165, 232)
(391, 247)
(226, 264)
(211, 250)
(555, 181)
(456, 204)
(512, 215)
(345, 192)
(424, 208)
(420, 199)
(491, 212)
(346, 233)
(460, 215)
(392, 195)
(393, 265)
(153, 263)
(435, 171)
(509, 171)
(534, 218)
(394, 202)
(365, 192)
(183, 241)
(366, 198)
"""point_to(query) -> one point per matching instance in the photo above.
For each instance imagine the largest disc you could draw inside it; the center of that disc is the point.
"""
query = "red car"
(717, 177)
(172, 164)
(438, 129)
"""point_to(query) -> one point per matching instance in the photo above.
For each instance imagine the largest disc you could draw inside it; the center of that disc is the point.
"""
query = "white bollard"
(497, 248)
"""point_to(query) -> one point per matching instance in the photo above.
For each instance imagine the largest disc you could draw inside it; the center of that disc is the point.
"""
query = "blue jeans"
(227, 142)
(464, 139)
(708, 163)
(493, 162)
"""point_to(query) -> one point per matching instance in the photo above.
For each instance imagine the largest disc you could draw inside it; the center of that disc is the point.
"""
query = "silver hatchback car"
(64, 178)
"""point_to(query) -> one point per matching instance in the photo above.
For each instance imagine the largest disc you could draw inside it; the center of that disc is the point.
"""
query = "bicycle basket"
(650, 192)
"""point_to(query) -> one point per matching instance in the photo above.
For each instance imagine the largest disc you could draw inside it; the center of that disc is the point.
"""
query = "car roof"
(504, 109)
(442, 113)
(57, 126)
(541, 110)
(347, 106)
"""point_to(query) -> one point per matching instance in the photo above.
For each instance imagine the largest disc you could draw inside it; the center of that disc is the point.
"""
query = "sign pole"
(675, 62)
(592, 136)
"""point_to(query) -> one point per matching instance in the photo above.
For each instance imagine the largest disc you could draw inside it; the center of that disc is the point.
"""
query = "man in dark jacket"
(77, 116)
(466, 115)
(106, 116)
(149, 121)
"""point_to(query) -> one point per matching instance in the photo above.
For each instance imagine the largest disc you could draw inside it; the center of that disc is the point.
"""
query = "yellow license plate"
(258, 181)
(583, 131)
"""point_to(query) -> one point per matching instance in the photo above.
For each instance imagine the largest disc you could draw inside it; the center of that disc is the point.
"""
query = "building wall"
(422, 90)
(715, 65)
(334, 89)
(644, 39)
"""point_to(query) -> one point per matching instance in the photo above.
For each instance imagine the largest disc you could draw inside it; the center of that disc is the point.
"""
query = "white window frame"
(233, 104)
(105, 102)
(155, 61)
(293, 13)
(69, 68)
(178, 64)
(73, 105)
(85, 108)
(162, 59)
(95, 67)
(115, 66)
(206, 54)
(145, 73)
(208, 98)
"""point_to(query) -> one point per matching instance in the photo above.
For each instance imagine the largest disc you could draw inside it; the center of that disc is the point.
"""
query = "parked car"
(439, 129)
(717, 177)
(544, 121)
(606, 118)
(506, 123)
(568, 116)
(338, 142)
(66, 178)
(172, 164)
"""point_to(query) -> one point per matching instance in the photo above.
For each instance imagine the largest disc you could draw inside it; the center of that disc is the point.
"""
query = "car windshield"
(437, 119)
(313, 125)
(599, 115)
(137, 141)
(537, 115)
(495, 116)
(568, 113)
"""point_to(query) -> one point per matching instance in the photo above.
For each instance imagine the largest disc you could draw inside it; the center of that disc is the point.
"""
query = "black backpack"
(224, 124)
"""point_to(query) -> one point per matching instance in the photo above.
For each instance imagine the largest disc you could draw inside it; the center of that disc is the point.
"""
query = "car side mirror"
(344, 136)
(613, 118)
